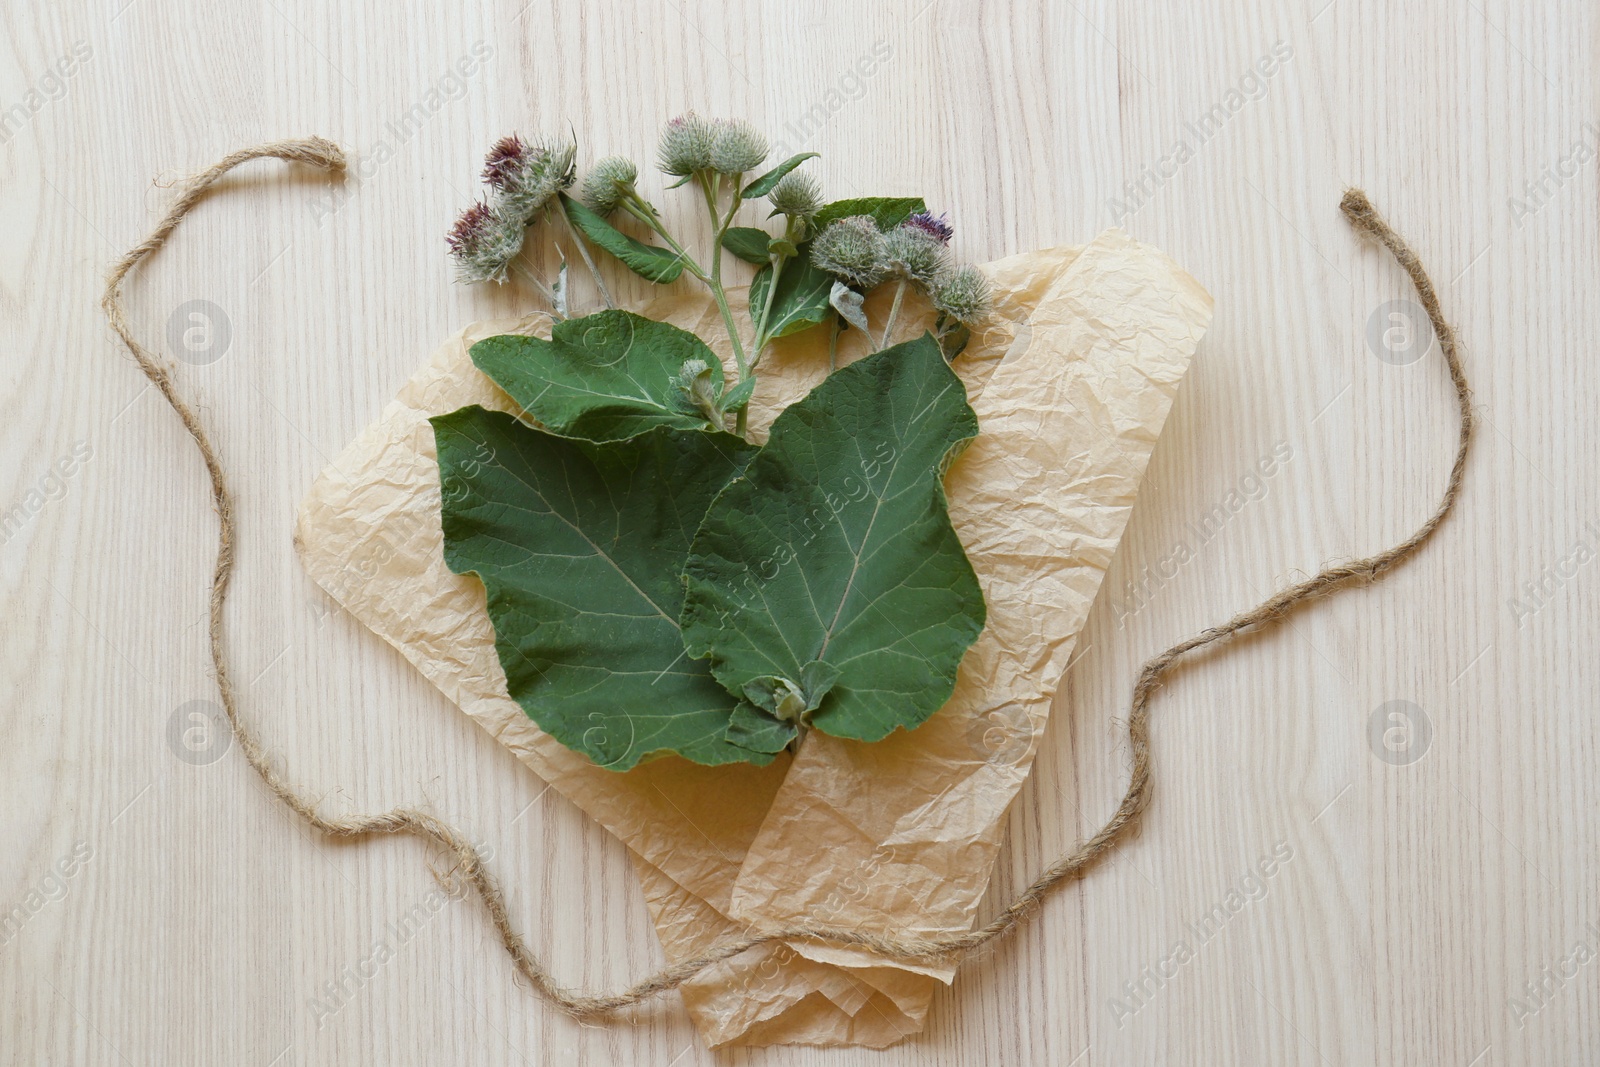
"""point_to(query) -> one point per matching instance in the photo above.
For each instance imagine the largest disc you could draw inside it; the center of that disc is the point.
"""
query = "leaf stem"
(833, 345)
(583, 250)
(642, 210)
(759, 345)
(711, 185)
(894, 313)
(555, 309)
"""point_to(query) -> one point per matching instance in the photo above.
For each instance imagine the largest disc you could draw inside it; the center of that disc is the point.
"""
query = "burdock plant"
(818, 268)
(657, 582)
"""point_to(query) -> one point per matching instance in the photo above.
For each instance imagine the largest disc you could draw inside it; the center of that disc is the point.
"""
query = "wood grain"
(1419, 898)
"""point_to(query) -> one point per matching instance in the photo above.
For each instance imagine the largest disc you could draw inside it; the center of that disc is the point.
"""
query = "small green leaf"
(782, 246)
(765, 184)
(604, 377)
(651, 262)
(754, 729)
(801, 299)
(580, 547)
(748, 243)
(739, 395)
(792, 701)
(954, 342)
(834, 552)
(887, 211)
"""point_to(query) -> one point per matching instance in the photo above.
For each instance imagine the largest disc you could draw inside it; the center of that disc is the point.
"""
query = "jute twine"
(1070, 867)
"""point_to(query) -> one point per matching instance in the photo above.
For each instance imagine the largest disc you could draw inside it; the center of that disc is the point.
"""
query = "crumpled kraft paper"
(1072, 382)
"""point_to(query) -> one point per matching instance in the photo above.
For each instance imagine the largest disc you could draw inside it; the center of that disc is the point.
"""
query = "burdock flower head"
(963, 295)
(913, 252)
(484, 244)
(525, 176)
(609, 184)
(736, 146)
(685, 146)
(937, 227)
(796, 195)
(851, 249)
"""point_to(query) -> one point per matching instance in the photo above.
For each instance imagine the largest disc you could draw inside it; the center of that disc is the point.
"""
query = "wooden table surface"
(1420, 757)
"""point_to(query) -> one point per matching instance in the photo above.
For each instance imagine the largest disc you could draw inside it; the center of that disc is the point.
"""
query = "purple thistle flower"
(471, 230)
(505, 159)
(934, 227)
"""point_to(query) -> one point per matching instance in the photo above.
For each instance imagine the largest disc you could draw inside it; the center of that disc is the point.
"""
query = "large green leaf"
(802, 297)
(828, 576)
(651, 262)
(604, 377)
(580, 547)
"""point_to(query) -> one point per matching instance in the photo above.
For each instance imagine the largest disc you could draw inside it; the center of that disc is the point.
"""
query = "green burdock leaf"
(769, 181)
(828, 576)
(887, 211)
(748, 243)
(759, 731)
(802, 299)
(651, 262)
(580, 547)
(604, 377)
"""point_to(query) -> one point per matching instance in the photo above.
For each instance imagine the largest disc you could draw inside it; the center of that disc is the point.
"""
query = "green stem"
(833, 346)
(712, 187)
(583, 250)
(641, 210)
(761, 338)
(894, 313)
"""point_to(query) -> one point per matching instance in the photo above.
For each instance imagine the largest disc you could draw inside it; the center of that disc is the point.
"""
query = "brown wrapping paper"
(1072, 382)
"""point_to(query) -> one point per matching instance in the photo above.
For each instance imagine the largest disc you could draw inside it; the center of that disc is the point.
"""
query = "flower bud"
(796, 195)
(685, 145)
(484, 244)
(611, 180)
(963, 295)
(525, 176)
(851, 249)
(915, 254)
(736, 146)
